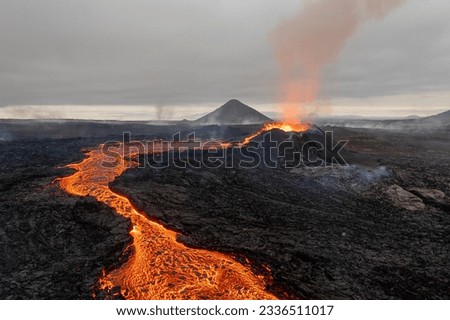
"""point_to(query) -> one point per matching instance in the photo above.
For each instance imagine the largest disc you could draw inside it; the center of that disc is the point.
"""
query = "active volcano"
(302, 143)
(231, 113)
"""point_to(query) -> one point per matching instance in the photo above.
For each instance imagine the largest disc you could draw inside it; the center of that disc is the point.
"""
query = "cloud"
(406, 54)
(163, 53)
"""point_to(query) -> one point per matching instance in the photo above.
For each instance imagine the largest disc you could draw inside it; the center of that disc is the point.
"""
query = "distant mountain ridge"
(439, 121)
(233, 112)
(442, 118)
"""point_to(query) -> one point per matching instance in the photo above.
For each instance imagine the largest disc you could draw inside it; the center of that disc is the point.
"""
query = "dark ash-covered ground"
(353, 232)
(52, 245)
(326, 233)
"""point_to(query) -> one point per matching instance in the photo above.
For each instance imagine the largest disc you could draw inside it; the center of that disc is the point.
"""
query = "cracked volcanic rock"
(404, 199)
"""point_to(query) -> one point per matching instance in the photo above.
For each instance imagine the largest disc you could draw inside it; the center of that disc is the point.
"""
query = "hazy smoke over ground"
(307, 42)
(32, 112)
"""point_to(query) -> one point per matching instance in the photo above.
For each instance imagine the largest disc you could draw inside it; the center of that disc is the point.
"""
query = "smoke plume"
(307, 42)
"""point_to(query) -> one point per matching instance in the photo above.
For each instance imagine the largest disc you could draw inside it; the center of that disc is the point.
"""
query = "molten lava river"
(160, 267)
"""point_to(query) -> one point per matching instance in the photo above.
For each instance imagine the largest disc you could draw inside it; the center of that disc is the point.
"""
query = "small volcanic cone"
(286, 127)
(301, 143)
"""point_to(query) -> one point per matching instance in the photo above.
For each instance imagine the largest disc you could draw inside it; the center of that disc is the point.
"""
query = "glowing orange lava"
(285, 126)
(160, 267)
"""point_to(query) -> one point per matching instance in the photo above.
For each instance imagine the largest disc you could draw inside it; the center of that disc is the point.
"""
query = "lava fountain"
(160, 267)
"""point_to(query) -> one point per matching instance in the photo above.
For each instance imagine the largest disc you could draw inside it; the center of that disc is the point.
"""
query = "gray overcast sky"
(187, 53)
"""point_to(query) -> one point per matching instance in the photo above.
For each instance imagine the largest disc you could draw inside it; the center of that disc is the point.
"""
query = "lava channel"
(160, 267)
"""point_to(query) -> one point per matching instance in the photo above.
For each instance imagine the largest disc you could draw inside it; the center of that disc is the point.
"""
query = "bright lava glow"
(287, 127)
(160, 267)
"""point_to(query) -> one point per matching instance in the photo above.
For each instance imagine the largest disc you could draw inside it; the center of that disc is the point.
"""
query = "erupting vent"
(287, 127)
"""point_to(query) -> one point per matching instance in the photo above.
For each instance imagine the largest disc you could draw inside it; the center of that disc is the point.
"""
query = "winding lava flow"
(160, 267)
